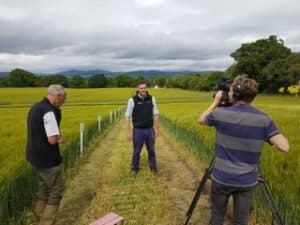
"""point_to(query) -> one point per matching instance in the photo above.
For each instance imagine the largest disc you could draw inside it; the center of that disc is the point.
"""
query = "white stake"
(81, 138)
(110, 117)
(99, 123)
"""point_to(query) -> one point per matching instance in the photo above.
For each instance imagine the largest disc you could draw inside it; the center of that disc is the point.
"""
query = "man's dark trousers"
(141, 136)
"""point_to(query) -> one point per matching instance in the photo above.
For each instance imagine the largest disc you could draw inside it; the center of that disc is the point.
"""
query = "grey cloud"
(138, 34)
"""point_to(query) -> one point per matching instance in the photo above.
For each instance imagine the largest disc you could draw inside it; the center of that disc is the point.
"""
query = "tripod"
(268, 197)
(203, 181)
(262, 184)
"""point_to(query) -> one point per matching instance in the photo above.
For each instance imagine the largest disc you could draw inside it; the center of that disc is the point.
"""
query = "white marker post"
(110, 117)
(99, 123)
(81, 138)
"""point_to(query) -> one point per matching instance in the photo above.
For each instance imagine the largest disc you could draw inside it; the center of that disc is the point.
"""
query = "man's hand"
(129, 135)
(215, 104)
(53, 140)
(128, 128)
(56, 140)
(156, 125)
(156, 132)
(218, 97)
(61, 140)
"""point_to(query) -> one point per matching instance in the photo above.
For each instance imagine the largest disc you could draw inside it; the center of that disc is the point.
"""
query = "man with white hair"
(43, 152)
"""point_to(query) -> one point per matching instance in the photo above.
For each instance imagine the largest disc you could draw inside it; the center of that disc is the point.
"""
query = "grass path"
(104, 183)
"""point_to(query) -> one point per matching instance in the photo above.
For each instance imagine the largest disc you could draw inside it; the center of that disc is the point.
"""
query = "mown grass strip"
(139, 198)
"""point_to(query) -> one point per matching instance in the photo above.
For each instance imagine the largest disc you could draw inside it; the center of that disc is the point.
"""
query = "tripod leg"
(267, 195)
(197, 195)
(199, 190)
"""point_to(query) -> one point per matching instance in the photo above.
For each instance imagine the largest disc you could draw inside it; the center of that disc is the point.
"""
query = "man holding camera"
(241, 132)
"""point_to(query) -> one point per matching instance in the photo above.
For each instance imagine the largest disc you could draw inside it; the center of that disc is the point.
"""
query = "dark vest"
(40, 153)
(142, 115)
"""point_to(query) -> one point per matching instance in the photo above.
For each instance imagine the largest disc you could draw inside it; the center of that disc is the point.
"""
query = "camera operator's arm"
(280, 142)
(215, 104)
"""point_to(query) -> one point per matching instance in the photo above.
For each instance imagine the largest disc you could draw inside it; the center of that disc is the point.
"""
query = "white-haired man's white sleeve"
(50, 124)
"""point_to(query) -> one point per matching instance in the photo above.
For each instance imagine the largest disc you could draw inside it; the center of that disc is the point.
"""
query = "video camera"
(224, 86)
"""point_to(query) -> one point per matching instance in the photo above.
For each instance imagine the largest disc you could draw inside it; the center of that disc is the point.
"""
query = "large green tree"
(125, 80)
(179, 81)
(159, 80)
(252, 58)
(282, 73)
(54, 79)
(97, 81)
(3, 81)
(111, 82)
(203, 82)
(77, 81)
(21, 78)
(293, 68)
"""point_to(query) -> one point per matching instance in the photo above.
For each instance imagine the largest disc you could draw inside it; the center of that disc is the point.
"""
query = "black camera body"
(224, 85)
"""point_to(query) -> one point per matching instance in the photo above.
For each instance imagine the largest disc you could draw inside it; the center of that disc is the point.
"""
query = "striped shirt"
(241, 132)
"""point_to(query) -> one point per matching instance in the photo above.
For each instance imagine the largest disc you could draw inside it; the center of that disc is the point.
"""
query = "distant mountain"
(152, 73)
(136, 73)
(73, 72)
(3, 74)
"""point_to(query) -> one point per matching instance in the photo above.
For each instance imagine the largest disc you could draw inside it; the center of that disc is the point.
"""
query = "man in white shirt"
(142, 111)
(43, 152)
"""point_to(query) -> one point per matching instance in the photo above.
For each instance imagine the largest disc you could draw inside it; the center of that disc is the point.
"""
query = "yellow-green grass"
(96, 96)
(141, 198)
(13, 117)
(281, 170)
(13, 129)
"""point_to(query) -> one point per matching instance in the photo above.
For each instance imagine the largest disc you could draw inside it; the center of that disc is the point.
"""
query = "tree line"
(197, 81)
(22, 78)
(268, 61)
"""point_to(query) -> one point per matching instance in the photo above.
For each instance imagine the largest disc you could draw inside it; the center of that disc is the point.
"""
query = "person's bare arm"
(128, 127)
(280, 142)
(215, 104)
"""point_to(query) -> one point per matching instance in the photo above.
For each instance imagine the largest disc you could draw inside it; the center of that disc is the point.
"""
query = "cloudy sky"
(123, 35)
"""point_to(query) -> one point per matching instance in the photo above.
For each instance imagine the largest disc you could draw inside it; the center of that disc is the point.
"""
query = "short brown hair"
(141, 82)
(245, 87)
